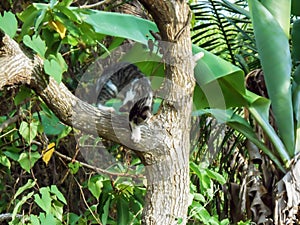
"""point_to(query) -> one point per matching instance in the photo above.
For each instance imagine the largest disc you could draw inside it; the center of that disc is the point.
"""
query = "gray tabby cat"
(126, 82)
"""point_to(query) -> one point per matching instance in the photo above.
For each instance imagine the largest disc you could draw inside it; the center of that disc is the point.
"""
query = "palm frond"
(225, 29)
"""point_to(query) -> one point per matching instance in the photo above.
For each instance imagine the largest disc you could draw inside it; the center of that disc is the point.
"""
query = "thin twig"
(8, 216)
(10, 121)
(95, 4)
(99, 170)
(85, 202)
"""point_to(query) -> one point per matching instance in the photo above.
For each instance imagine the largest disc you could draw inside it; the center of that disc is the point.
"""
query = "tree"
(167, 167)
(220, 89)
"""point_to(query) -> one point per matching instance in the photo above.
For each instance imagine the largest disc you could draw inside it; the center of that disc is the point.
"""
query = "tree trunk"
(168, 178)
(164, 148)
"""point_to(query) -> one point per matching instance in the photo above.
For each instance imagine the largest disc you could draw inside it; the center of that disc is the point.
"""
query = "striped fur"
(126, 82)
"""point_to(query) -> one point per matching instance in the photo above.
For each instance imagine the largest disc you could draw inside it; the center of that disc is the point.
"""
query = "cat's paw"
(136, 134)
(106, 108)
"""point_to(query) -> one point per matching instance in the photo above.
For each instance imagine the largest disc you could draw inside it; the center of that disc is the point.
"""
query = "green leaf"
(29, 130)
(18, 206)
(259, 110)
(30, 183)
(36, 44)
(225, 222)
(120, 25)
(39, 19)
(27, 160)
(73, 218)
(95, 186)
(196, 169)
(12, 153)
(54, 190)
(203, 213)
(51, 124)
(270, 31)
(34, 220)
(105, 213)
(28, 17)
(74, 167)
(179, 220)
(24, 93)
(216, 176)
(5, 161)
(47, 219)
(71, 14)
(199, 197)
(240, 124)
(122, 211)
(57, 209)
(55, 66)
(295, 35)
(9, 24)
(296, 7)
(53, 3)
(220, 84)
(44, 202)
(280, 10)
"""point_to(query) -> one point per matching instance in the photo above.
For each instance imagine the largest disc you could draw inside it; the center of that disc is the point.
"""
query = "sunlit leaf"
(27, 160)
(121, 25)
(74, 167)
(48, 152)
(95, 186)
(30, 183)
(29, 130)
(9, 24)
(44, 200)
(36, 44)
(54, 68)
(59, 195)
(59, 28)
(5, 161)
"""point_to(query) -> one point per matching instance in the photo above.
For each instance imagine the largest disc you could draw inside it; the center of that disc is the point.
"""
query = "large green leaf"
(273, 47)
(221, 84)
(120, 25)
(281, 10)
(259, 108)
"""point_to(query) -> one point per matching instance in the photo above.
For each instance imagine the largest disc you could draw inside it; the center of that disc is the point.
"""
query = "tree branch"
(19, 67)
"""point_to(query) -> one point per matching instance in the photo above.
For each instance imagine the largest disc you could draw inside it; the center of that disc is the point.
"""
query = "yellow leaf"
(47, 153)
(59, 27)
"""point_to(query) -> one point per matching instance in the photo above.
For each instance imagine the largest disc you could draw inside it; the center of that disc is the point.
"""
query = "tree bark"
(168, 180)
(164, 148)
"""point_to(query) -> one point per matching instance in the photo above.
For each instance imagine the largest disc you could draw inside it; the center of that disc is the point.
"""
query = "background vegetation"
(240, 148)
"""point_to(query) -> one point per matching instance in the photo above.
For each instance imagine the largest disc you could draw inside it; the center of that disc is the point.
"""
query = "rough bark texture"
(165, 144)
(168, 180)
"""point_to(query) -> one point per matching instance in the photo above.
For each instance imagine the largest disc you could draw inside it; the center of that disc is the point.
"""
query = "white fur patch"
(129, 96)
(135, 132)
(105, 108)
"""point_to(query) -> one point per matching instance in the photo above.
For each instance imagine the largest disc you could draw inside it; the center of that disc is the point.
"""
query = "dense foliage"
(45, 176)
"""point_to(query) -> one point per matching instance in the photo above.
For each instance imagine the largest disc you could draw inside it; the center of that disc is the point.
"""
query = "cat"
(127, 83)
